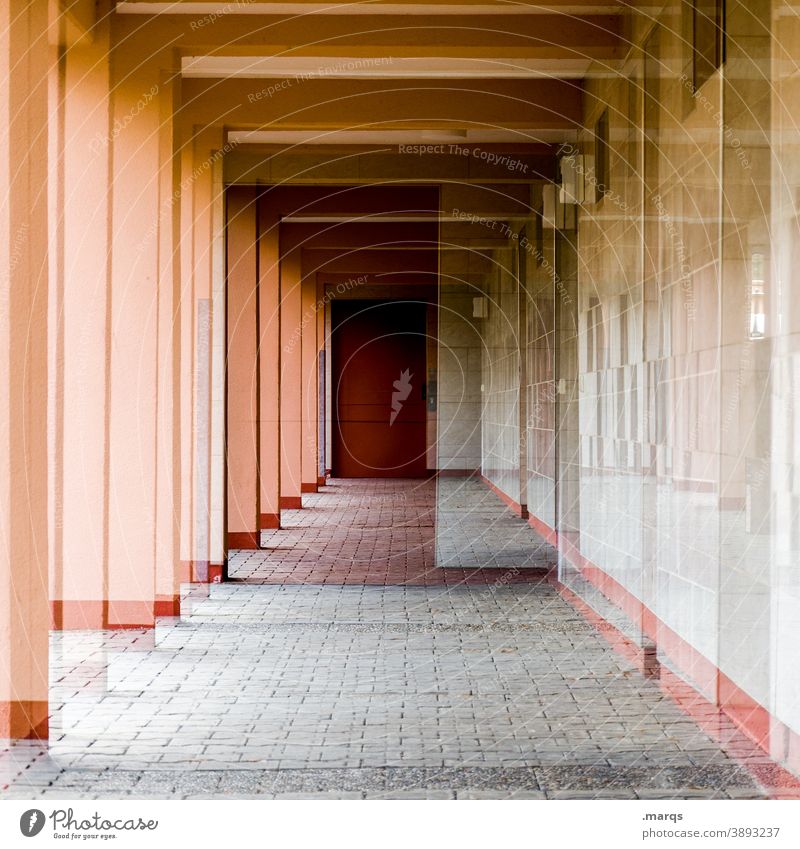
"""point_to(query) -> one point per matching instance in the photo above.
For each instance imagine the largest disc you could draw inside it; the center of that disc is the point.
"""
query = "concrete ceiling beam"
(548, 36)
(391, 104)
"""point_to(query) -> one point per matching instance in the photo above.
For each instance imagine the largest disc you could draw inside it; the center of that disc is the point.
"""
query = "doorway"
(379, 387)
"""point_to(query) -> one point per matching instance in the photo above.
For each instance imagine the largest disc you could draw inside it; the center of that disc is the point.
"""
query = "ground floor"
(338, 662)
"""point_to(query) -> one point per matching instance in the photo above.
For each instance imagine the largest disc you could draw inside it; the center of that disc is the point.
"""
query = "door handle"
(430, 395)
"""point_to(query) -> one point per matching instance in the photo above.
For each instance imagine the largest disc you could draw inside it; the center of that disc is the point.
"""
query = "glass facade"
(639, 354)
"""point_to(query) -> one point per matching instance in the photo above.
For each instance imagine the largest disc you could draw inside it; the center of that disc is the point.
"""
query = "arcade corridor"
(400, 397)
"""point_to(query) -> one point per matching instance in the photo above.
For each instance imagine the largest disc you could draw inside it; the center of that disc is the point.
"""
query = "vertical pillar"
(55, 321)
(135, 223)
(269, 365)
(214, 153)
(322, 384)
(190, 566)
(522, 342)
(168, 402)
(202, 203)
(310, 383)
(24, 605)
(242, 371)
(328, 390)
(79, 592)
(291, 381)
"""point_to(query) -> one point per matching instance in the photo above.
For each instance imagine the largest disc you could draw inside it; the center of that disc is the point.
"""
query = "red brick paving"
(375, 532)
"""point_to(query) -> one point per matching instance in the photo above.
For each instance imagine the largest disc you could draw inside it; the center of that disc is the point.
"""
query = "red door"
(379, 389)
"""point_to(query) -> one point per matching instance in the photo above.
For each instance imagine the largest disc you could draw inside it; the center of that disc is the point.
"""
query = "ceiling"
(375, 72)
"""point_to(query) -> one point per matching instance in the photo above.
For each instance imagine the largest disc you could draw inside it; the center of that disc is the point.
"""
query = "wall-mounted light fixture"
(758, 296)
(572, 179)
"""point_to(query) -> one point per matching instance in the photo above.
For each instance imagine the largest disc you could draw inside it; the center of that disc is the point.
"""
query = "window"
(703, 33)
(624, 319)
(651, 144)
(707, 39)
(602, 157)
(633, 124)
(597, 354)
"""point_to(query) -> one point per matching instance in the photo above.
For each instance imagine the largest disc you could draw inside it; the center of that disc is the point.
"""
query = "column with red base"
(242, 529)
(24, 604)
(291, 381)
(269, 364)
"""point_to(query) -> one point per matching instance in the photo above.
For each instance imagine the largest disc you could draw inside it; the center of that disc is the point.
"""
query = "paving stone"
(372, 675)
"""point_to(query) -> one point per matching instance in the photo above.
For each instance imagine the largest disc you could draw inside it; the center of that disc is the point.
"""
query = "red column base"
(93, 615)
(247, 540)
(130, 614)
(308, 487)
(24, 720)
(167, 605)
(77, 615)
(291, 502)
(269, 521)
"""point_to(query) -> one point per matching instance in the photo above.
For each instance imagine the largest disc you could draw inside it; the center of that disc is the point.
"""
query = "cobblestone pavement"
(380, 531)
(474, 529)
(482, 689)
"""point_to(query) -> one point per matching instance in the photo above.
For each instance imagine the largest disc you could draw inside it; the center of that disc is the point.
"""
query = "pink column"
(24, 605)
(322, 379)
(189, 565)
(133, 378)
(310, 383)
(242, 371)
(168, 410)
(269, 359)
(197, 305)
(78, 593)
(291, 381)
